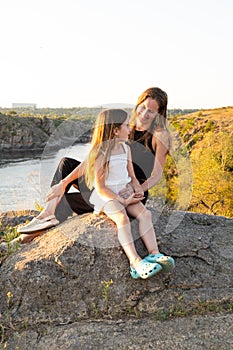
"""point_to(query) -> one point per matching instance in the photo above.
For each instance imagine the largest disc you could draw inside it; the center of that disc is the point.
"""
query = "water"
(25, 181)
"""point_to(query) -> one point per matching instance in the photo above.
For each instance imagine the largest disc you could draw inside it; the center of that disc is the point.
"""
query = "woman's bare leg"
(49, 208)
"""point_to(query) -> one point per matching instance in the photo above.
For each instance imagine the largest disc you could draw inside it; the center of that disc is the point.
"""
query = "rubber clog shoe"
(145, 270)
(167, 262)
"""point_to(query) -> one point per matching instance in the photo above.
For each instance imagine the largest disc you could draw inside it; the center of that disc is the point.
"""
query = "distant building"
(24, 105)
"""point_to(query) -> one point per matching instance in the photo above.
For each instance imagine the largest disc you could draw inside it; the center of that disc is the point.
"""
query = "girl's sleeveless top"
(118, 171)
(142, 157)
(116, 179)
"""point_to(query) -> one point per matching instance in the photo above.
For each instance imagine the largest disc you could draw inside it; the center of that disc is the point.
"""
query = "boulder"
(78, 272)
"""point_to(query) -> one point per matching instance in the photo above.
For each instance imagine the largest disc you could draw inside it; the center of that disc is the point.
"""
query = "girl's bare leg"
(116, 212)
(146, 229)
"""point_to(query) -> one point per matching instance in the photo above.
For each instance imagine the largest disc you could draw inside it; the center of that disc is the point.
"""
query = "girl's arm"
(134, 181)
(160, 142)
(59, 189)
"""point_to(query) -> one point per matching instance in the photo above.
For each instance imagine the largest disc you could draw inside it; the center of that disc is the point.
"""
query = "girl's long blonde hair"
(103, 141)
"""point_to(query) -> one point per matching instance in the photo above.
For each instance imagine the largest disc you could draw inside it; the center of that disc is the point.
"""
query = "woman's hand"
(127, 191)
(56, 191)
(138, 190)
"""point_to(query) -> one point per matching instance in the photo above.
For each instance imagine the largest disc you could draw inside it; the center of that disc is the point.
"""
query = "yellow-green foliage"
(205, 185)
(212, 174)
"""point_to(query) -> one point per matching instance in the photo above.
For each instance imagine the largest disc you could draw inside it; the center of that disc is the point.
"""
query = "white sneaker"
(38, 225)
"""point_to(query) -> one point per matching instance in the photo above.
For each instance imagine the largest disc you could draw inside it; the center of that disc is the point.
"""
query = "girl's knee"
(123, 218)
(146, 215)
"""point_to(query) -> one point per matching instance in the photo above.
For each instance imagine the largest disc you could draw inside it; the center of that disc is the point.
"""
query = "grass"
(7, 234)
(199, 308)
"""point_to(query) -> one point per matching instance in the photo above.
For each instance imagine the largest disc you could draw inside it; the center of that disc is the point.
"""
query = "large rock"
(78, 271)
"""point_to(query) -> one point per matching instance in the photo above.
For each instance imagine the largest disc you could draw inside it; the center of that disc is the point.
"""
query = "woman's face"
(146, 112)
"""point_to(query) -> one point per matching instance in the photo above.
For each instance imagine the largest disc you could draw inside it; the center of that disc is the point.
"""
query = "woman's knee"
(68, 162)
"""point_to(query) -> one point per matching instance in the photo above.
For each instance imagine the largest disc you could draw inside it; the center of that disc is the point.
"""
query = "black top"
(142, 157)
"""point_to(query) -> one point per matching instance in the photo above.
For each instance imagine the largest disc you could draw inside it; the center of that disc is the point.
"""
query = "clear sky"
(77, 53)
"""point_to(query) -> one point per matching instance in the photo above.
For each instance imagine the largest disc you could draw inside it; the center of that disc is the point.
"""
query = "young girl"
(108, 168)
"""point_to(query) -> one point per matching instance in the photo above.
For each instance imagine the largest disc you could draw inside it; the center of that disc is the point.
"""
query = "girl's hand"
(134, 198)
(55, 191)
(126, 192)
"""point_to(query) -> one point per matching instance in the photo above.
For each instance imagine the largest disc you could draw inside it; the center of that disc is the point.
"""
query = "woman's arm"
(76, 173)
(59, 189)
(160, 142)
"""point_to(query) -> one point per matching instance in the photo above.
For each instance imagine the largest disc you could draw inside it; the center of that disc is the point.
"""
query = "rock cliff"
(36, 133)
(24, 133)
(70, 288)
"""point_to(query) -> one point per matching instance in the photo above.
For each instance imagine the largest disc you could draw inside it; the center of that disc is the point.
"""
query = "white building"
(24, 105)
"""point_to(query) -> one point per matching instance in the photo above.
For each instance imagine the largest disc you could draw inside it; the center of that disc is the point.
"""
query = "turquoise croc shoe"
(167, 262)
(145, 269)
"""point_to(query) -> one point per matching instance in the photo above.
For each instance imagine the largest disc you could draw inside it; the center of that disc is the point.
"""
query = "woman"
(149, 143)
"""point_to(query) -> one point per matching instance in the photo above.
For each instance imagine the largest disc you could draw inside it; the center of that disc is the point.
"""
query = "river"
(25, 181)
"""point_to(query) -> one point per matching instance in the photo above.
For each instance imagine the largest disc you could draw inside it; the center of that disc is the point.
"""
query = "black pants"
(77, 202)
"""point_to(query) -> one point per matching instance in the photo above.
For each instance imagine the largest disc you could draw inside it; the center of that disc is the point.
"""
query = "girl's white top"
(117, 178)
(118, 172)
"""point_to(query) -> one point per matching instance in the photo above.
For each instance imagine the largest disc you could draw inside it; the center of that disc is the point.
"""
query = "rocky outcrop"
(39, 133)
(29, 133)
(73, 281)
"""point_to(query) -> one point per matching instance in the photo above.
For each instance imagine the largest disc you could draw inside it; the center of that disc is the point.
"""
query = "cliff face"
(77, 276)
(36, 133)
(24, 132)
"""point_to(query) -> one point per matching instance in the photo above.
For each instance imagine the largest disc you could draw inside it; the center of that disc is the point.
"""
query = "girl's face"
(123, 132)
(146, 112)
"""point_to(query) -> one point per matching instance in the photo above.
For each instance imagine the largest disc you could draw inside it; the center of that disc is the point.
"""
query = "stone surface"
(78, 272)
(194, 333)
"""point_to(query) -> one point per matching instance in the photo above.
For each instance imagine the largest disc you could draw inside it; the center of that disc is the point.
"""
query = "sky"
(83, 53)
